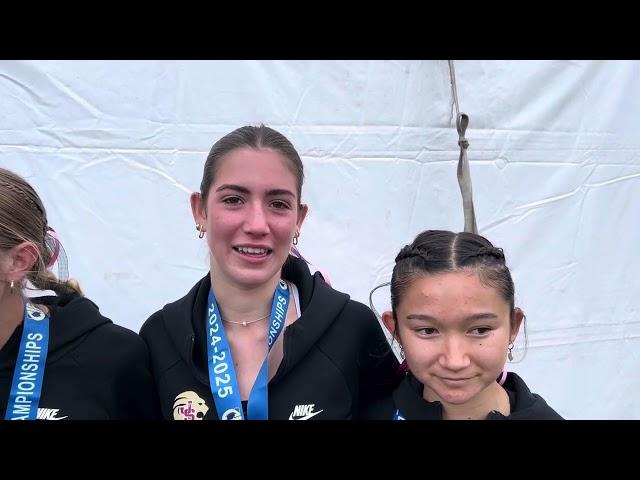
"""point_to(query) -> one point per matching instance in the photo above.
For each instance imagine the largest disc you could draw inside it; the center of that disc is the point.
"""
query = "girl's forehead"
(454, 291)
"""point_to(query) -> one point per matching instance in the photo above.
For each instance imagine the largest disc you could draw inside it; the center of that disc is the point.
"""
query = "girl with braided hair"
(453, 313)
(59, 357)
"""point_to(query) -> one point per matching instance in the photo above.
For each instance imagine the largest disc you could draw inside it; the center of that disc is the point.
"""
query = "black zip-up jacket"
(335, 355)
(408, 400)
(95, 370)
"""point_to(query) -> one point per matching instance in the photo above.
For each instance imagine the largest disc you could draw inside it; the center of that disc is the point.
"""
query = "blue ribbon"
(28, 375)
(222, 374)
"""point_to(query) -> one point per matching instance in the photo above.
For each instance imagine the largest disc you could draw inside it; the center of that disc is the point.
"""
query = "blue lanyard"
(29, 371)
(397, 415)
(222, 374)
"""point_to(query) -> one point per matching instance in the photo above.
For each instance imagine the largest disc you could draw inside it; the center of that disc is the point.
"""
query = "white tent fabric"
(115, 147)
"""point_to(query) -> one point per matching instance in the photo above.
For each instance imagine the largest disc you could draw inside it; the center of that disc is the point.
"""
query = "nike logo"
(49, 414)
(304, 412)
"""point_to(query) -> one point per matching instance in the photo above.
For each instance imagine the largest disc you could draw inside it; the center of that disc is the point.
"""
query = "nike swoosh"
(306, 417)
(58, 418)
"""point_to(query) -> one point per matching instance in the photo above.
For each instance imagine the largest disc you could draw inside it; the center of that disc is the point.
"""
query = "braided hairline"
(24, 195)
(409, 252)
(495, 252)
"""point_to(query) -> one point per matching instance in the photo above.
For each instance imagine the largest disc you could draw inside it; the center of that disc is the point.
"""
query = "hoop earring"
(201, 229)
(295, 237)
(510, 354)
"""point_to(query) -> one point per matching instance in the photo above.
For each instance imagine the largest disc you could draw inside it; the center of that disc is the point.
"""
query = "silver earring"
(510, 355)
(201, 229)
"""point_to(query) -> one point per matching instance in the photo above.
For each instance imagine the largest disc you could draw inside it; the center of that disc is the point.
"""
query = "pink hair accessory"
(56, 249)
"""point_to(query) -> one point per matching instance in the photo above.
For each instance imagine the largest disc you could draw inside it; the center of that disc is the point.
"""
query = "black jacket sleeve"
(379, 367)
(134, 391)
(117, 360)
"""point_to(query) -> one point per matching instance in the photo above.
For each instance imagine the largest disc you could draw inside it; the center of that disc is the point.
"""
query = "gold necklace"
(244, 323)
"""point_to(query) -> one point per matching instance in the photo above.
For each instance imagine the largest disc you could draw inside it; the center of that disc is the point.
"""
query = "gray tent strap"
(464, 174)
